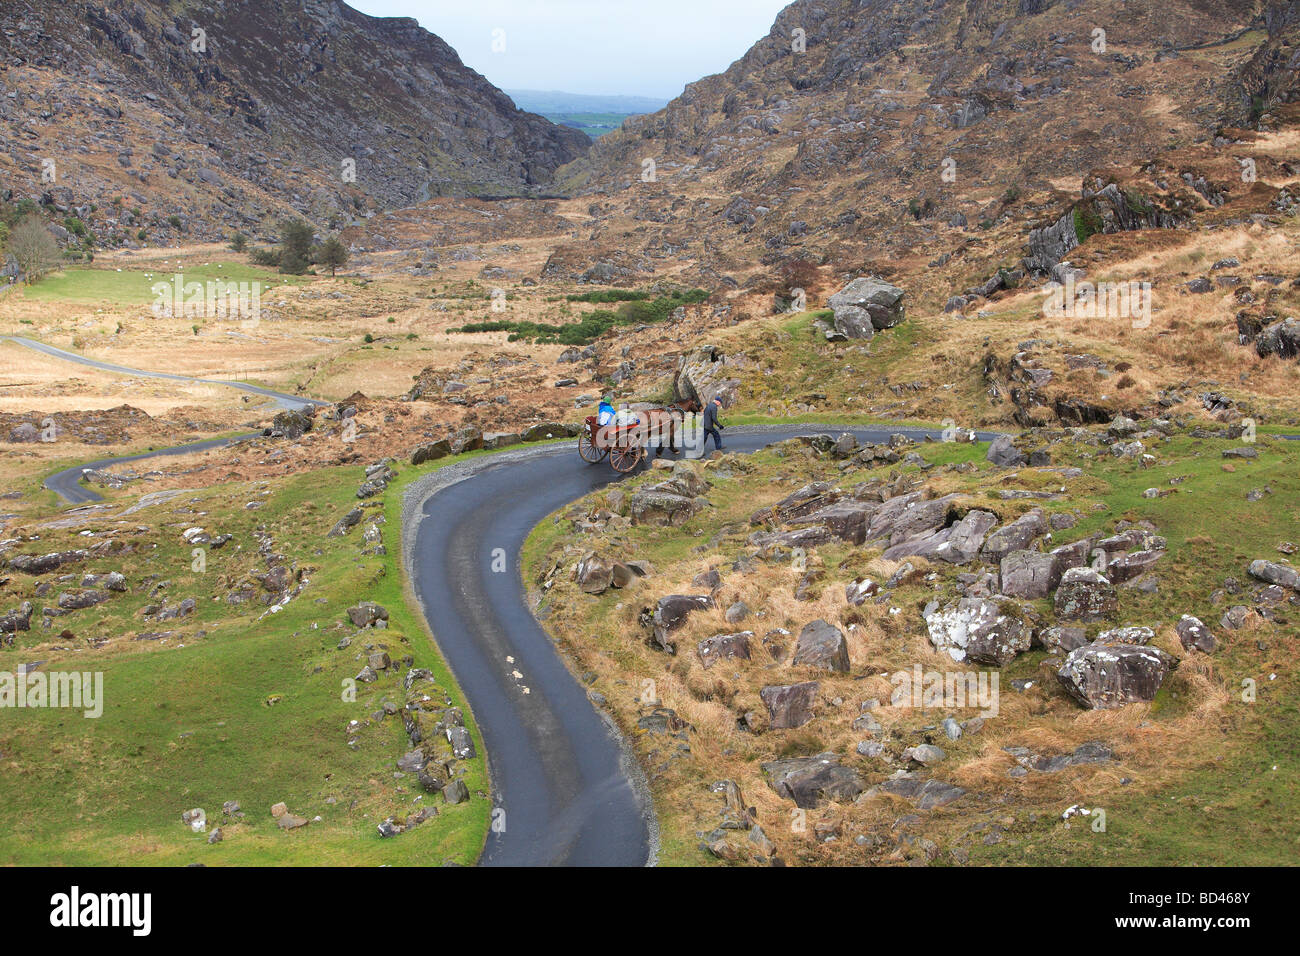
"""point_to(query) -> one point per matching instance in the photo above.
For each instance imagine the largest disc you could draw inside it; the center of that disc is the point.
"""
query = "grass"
(1194, 781)
(135, 287)
(232, 708)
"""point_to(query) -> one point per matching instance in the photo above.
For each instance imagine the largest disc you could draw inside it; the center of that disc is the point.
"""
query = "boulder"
(37, 564)
(595, 573)
(803, 502)
(1062, 640)
(77, 600)
(1106, 676)
(1126, 635)
(1029, 574)
(1272, 572)
(822, 645)
(431, 451)
(924, 794)
(866, 305)
(846, 520)
(857, 592)
(1084, 595)
(1016, 536)
(670, 613)
(17, 620)
(466, 439)
(813, 781)
(702, 376)
(1004, 453)
(1127, 567)
(724, 647)
(367, 614)
(291, 423)
(789, 705)
(655, 505)
(978, 630)
(1194, 635)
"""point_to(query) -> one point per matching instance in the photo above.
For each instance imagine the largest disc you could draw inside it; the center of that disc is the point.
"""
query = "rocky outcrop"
(703, 375)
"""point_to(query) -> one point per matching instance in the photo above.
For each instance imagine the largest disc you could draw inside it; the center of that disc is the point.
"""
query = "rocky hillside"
(862, 127)
(219, 114)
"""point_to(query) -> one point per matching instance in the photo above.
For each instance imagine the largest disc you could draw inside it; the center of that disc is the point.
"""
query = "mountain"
(222, 113)
(880, 128)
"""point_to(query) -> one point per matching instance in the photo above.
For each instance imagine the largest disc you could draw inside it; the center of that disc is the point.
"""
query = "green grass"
(194, 726)
(135, 286)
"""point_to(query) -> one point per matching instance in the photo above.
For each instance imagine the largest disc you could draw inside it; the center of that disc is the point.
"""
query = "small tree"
(239, 242)
(296, 238)
(33, 248)
(332, 253)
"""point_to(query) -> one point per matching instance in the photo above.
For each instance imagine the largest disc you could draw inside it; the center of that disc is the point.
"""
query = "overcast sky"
(637, 47)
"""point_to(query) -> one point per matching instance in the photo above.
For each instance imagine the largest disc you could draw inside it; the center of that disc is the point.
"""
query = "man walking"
(711, 424)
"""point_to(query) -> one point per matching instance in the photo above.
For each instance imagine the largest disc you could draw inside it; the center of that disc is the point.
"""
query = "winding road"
(67, 483)
(569, 788)
(566, 788)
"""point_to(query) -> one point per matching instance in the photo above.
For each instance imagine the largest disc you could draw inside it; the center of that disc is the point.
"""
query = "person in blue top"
(604, 414)
(711, 423)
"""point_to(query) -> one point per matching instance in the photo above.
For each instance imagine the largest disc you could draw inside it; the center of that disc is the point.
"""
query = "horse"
(661, 422)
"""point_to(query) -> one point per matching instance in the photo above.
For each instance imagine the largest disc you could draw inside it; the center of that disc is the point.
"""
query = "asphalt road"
(67, 483)
(281, 400)
(570, 792)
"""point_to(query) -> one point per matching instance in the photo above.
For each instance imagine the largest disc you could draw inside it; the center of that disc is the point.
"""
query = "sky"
(630, 47)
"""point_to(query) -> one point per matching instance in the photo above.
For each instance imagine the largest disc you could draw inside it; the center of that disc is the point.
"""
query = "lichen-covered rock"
(1105, 676)
(978, 630)
(1084, 595)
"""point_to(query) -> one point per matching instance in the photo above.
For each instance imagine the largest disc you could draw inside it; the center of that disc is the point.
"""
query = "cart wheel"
(589, 452)
(625, 458)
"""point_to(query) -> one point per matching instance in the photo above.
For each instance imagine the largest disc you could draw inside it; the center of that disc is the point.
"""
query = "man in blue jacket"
(711, 424)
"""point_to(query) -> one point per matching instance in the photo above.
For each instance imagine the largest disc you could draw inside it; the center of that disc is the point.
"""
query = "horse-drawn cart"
(625, 445)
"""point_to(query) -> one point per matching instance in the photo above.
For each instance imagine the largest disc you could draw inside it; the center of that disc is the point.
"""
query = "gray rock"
(1003, 453)
(976, 629)
(813, 781)
(822, 645)
(789, 705)
(1030, 574)
(866, 305)
(1084, 595)
(1194, 635)
(724, 647)
(1106, 676)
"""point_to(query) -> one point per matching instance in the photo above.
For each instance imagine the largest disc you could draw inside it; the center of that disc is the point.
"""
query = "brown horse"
(663, 423)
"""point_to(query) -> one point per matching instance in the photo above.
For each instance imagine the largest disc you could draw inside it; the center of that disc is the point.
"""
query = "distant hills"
(594, 115)
(553, 101)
